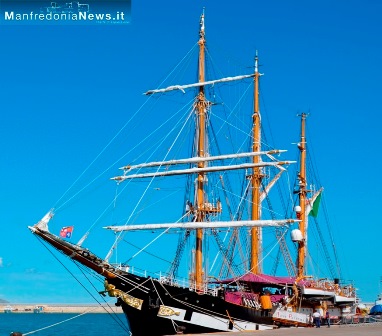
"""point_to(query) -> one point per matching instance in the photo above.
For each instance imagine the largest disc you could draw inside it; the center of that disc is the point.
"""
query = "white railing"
(168, 280)
(191, 285)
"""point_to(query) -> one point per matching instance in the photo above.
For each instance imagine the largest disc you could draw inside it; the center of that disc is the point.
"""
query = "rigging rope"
(113, 138)
(173, 322)
(103, 150)
(152, 241)
(121, 234)
(64, 321)
(117, 320)
(150, 254)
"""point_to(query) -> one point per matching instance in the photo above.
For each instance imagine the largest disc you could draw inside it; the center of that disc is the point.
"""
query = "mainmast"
(201, 106)
(302, 214)
(255, 266)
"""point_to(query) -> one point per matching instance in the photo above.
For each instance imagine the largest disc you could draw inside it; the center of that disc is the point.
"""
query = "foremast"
(256, 232)
(201, 105)
(302, 210)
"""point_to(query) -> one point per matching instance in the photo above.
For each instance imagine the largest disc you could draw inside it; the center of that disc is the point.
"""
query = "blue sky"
(65, 91)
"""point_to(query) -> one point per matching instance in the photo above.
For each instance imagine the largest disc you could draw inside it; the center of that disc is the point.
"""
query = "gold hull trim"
(128, 299)
(167, 311)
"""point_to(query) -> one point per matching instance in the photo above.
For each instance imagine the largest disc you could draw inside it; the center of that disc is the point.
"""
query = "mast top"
(201, 33)
(256, 62)
(303, 115)
(257, 73)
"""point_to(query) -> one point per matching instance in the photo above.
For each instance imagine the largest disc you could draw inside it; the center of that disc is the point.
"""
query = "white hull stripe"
(344, 299)
(318, 292)
(214, 322)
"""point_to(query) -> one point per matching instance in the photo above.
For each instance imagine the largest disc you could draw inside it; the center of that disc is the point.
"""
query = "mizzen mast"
(302, 214)
(255, 262)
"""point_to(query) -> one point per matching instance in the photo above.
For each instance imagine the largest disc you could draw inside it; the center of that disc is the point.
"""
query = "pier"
(60, 308)
(369, 329)
(364, 329)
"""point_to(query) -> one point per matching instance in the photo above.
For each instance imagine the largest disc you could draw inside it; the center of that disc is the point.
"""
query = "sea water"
(62, 324)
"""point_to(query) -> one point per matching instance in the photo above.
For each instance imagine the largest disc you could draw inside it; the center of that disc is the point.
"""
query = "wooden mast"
(255, 265)
(201, 106)
(302, 215)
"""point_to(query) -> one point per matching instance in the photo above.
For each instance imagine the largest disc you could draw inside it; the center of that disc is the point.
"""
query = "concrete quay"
(372, 329)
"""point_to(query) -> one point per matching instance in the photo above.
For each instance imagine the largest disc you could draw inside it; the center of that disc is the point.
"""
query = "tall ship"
(200, 200)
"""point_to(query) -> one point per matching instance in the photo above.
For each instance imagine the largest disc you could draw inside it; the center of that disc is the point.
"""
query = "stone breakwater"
(59, 308)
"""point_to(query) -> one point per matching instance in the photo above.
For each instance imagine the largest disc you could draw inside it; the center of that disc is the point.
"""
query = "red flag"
(66, 232)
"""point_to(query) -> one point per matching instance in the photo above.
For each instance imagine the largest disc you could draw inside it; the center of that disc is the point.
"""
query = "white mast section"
(200, 170)
(43, 223)
(205, 225)
(182, 87)
(202, 159)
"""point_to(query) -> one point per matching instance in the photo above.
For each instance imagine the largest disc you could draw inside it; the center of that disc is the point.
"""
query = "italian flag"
(314, 204)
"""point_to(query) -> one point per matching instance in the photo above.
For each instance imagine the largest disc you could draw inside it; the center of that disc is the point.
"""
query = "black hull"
(169, 310)
(145, 322)
(156, 308)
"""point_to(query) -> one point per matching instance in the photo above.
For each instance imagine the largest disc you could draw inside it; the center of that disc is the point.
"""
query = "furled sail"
(202, 170)
(204, 225)
(187, 86)
(201, 159)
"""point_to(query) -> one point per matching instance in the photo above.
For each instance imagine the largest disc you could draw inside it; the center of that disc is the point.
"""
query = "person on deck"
(327, 317)
(266, 304)
(317, 319)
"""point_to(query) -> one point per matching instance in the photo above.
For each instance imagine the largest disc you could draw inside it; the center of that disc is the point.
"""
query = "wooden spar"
(201, 108)
(255, 266)
(302, 215)
(76, 253)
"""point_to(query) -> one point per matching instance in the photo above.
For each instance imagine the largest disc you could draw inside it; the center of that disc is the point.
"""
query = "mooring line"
(53, 325)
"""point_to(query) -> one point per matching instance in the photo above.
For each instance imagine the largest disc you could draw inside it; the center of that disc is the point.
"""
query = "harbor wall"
(59, 308)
